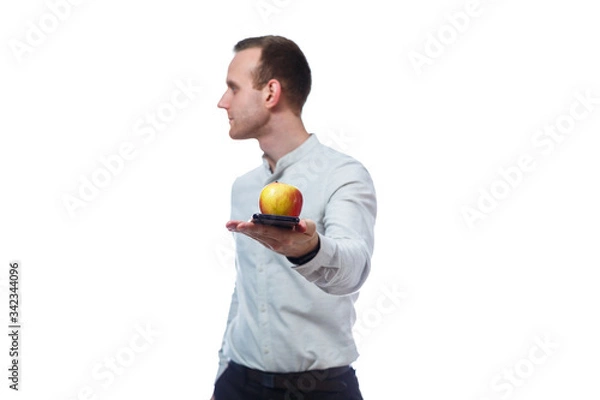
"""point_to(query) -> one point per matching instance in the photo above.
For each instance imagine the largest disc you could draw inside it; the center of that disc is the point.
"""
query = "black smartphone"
(281, 221)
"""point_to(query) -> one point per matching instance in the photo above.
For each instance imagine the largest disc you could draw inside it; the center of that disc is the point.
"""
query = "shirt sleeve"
(344, 260)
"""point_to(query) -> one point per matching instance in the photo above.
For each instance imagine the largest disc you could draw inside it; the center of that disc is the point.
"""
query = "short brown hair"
(283, 60)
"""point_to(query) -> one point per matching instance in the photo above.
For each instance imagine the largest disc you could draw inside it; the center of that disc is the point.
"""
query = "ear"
(272, 93)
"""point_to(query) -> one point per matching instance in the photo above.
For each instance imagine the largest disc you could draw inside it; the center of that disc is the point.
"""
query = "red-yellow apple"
(280, 199)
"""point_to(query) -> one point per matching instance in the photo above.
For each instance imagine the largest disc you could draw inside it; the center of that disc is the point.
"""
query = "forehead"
(243, 63)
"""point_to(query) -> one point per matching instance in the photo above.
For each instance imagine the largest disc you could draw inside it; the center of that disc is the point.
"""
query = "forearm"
(339, 225)
(343, 261)
(340, 267)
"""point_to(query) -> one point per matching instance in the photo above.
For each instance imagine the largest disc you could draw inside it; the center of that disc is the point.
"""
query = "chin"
(241, 134)
(238, 136)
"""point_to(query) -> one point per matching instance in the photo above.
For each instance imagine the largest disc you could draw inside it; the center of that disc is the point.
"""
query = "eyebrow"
(231, 83)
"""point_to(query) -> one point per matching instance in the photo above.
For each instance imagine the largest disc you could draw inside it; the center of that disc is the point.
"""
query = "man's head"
(267, 74)
(283, 60)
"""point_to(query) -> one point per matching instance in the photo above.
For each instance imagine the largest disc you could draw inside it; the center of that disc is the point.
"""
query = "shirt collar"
(293, 156)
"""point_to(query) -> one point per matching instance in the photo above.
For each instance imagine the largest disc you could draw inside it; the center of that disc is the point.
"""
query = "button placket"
(262, 304)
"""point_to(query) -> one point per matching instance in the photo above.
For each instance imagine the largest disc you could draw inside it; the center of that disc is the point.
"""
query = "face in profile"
(243, 103)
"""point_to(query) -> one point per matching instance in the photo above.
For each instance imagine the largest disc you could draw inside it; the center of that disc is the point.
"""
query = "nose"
(223, 103)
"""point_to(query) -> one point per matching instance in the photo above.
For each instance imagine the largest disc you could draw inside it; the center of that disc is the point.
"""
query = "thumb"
(306, 226)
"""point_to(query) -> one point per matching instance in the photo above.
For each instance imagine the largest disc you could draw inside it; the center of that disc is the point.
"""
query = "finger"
(260, 230)
(306, 226)
(238, 226)
(301, 227)
(232, 225)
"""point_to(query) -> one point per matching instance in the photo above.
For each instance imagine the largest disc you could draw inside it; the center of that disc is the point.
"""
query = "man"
(289, 329)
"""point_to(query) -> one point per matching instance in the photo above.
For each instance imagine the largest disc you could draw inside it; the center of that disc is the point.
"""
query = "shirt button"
(260, 269)
(266, 351)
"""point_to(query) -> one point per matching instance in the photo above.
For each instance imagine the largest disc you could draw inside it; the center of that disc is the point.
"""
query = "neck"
(282, 138)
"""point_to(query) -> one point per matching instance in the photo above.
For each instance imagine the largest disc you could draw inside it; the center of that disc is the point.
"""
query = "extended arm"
(343, 261)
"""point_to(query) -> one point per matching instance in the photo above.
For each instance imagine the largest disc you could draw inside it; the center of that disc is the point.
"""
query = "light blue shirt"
(288, 318)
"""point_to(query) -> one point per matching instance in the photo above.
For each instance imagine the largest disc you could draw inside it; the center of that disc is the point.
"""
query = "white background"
(151, 248)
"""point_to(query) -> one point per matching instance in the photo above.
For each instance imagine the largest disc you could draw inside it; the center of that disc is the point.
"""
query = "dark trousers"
(240, 383)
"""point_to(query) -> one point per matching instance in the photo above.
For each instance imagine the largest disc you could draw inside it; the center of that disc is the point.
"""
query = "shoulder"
(341, 164)
(340, 173)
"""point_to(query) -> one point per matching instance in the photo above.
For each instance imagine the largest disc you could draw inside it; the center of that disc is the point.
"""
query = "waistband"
(318, 380)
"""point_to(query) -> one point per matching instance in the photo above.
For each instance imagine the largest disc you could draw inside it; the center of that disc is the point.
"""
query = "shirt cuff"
(315, 269)
(307, 257)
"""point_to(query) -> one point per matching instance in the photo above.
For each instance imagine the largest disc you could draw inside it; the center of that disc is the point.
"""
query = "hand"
(296, 242)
